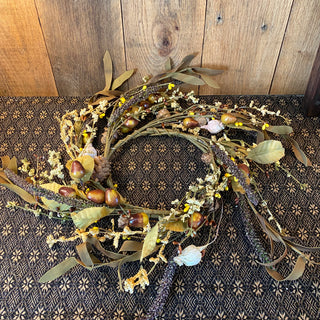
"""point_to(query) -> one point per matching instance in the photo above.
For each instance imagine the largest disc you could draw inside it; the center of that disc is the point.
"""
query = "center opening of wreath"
(154, 171)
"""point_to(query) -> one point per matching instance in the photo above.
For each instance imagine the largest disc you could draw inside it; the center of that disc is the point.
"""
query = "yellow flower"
(235, 179)
(226, 188)
(227, 175)
(191, 113)
(186, 207)
(144, 87)
(266, 125)
(170, 86)
(115, 185)
(232, 158)
(102, 115)
(123, 99)
(217, 195)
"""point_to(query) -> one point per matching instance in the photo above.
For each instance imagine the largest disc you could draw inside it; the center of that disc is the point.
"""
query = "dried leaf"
(87, 216)
(300, 155)
(188, 79)
(107, 63)
(267, 152)
(295, 274)
(185, 61)
(59, 270)
(280, 129)
(122, 78)
(84, 254)
(8, 163)
(210, 81)
(168, 64)
(130, 245)
(177, 226)
(206, 71)
(260, 137)
(5, 161)
(20, 192)
(150, 242)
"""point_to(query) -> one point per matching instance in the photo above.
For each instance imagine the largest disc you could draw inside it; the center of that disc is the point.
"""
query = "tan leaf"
(122, 78)
(150, 242)
(267, 152)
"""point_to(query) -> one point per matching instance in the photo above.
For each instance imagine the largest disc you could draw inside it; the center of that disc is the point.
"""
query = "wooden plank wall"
(55, 47)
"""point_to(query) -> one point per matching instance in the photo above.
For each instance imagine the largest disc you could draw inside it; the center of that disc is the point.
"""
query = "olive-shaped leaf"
(87, 216)
(150, 242)
(280, 129)
(265, 152)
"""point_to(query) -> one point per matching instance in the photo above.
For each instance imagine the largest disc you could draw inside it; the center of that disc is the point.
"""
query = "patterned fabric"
(227, 284)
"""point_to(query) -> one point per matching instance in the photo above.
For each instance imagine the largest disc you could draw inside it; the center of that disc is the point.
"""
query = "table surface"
(227, 284)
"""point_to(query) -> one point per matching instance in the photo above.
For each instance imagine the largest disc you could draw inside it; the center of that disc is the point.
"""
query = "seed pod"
(190, 123)
(131, 123)
(67, 192)
(195, 220)
(112, 197)
(138, 220)
(77, 170)
(228, 118)
(96, 195)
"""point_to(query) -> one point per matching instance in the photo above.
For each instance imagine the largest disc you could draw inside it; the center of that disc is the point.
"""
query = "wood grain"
(245, 40)
(299, 48)
(77, 33)
(24, 63)
(155, 30)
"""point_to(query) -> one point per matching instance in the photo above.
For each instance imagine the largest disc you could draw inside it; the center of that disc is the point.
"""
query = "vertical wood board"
(24, 63)
(244, 38)
(77, 34)
(299, 48)
(156, 30)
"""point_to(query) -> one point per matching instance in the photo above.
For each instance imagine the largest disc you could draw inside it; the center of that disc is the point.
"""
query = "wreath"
(82, 189)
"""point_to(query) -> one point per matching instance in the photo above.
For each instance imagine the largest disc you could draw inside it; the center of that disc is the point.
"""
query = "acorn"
(131, 123)
(125, 129)
(96, 195)
(195, 220)
(228, 118)
(77, 170)
(145, 104)
(134, 109)
(138, 220)
(67, 192)
(112, 197)
(244, 168)
(163, 113)
(190, 123)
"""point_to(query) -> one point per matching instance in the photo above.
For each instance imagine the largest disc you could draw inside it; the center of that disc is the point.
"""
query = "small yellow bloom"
(123, 99)
(232, 158)
(120, 103)
(217, 195)
(191, 113)
(115, 185)
(227, 175)
(226, 188)
(158, 240)
(144, 88)
(87, 190)
(171, 86)
(80, 149)
(266, 125)
(102, 115)
(235, 179)
(186, 207)
(213, 118)
(85, 135)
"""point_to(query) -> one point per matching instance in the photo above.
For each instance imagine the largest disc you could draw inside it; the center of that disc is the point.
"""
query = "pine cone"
(102, 169)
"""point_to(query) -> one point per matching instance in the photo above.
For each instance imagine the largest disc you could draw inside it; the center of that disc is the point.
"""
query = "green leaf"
(87, 216)
(150, 242)
(280, 129)
(122, 78)
(107, 63)
(59, 270)
(267, 152)
(207, 71)
(188, 79)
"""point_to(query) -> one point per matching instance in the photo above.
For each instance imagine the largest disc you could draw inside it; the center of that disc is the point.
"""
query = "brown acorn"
(138, 220)
(190, 123)
(244, 168)
(131, 123)
(112, 197)
(163, 113)
(77, 170)
(67, 192)
(125, 129)
(153, 98)
(145, 104)
(195, 220)
(228, 118)
(96, 195)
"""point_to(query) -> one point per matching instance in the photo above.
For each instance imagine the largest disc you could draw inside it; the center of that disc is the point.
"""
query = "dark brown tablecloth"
(227, 284)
